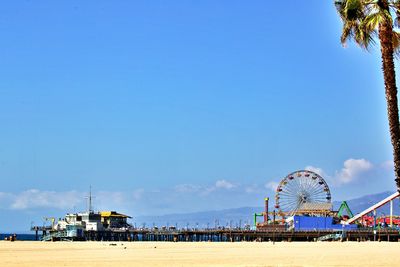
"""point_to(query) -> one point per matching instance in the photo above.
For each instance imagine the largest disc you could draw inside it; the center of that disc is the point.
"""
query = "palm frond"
(397, 20)
(396, 8)
(346, 33)
(349, 9)
(340, 4)
(364, 37)
(361, 20)
(387, 16)
(372, 21)
(396, 43)
(353, 9)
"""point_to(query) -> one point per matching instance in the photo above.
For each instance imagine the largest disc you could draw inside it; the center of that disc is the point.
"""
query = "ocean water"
(24, 237)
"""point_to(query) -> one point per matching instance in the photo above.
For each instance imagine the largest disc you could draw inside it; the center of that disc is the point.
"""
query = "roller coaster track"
(373, 207)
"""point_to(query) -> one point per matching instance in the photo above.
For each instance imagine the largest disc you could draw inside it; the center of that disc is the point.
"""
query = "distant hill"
(359, 204)
(244, 215)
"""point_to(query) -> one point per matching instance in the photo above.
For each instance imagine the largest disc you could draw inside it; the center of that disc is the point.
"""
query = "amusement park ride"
(305, 196)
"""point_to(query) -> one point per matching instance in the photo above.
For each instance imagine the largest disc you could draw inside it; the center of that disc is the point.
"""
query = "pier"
(222, 235)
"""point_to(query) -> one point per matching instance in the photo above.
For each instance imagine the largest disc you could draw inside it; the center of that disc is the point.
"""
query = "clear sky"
(177, 106)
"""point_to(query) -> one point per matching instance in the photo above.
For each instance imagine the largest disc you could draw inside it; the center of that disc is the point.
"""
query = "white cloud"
(272, 185)
(223, 184)
(352, 169)
(66, 200)
(219, 185)
(187, 188)
(316, 170)
(205, 190)
(34, 198)
(223, 188)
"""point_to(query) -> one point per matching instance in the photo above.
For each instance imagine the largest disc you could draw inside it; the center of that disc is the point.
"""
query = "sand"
(25, 253)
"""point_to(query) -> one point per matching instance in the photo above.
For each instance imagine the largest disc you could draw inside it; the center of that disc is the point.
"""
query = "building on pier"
(89, 221)
(94, 221)
(113, 219)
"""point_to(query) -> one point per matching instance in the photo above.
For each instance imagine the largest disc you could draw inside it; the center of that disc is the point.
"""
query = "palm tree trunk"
(387, 51)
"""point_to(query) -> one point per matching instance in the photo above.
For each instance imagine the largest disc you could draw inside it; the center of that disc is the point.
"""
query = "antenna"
(90, 198)
(89, 204)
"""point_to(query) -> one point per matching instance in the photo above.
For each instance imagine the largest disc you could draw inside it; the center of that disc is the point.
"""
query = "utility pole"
(391, 213)
(374, 225)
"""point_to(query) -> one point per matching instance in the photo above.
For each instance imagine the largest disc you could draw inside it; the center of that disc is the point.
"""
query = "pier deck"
(233, 235)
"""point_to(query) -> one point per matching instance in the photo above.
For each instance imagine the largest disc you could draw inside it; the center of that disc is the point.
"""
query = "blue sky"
(177, 106)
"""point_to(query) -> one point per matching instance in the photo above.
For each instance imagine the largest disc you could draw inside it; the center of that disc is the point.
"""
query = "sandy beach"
(24, 253)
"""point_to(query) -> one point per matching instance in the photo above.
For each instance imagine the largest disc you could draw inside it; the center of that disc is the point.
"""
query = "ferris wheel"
(301, 188)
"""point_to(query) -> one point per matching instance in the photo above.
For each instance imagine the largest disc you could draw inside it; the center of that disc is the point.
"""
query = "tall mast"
(90, 199)
(89, 203)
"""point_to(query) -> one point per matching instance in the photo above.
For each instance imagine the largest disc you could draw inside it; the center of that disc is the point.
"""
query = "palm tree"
(363, 20)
